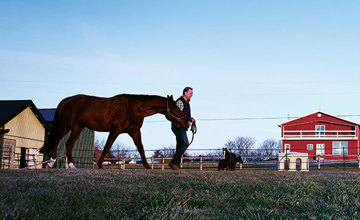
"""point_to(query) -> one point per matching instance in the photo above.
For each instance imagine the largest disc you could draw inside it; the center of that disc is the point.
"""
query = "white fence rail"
(314, 134)
(257, 162)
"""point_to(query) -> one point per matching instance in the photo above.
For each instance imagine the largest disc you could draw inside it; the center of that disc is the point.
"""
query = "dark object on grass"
(230, 160)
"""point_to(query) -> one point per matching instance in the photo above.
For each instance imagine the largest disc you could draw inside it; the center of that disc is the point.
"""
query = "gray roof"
(48, 114)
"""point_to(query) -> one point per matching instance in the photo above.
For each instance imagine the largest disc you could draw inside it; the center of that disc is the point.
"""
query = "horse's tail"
(239, 159)
(50, 140)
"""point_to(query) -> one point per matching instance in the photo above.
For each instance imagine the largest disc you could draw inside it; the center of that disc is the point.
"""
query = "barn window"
(310, 147)
(340, 148)
(287, 147)
(319, 128)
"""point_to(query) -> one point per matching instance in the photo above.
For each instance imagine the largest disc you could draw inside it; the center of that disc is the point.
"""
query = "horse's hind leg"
(55, 144)
(53, 155)
(233, 165)
(75, 132)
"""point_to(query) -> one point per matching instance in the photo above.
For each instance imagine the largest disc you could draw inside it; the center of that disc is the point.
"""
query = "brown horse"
(123, 113)
(230, 160)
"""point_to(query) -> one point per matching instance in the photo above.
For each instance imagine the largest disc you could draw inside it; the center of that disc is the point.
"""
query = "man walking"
(182, 141)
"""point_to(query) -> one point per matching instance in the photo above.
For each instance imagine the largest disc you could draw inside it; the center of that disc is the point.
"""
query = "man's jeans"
(182, 143)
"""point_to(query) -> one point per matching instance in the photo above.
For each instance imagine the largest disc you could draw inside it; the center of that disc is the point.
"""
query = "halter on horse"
(193, 127)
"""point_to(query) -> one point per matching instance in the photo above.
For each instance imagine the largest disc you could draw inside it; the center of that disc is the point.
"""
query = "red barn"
(321, 134)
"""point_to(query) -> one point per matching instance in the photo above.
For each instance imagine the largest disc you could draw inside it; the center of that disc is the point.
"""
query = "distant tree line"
(241, 146)
(245, 147)
(118, 150)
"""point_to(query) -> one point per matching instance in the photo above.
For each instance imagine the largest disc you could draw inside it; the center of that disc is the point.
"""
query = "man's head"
(187, 93)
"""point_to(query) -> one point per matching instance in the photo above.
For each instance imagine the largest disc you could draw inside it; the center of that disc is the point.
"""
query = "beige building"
(26, 128)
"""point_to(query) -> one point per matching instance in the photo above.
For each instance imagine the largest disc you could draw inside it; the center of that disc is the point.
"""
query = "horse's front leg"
(111, 138)
(136, 136)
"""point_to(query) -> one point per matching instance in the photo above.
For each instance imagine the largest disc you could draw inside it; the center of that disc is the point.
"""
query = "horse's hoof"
(72, 166)
(51, 163)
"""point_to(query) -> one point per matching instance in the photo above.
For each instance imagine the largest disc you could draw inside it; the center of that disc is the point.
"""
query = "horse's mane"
(141, 97)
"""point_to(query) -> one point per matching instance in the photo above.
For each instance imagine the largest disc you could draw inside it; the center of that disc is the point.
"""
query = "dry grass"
(156, 194)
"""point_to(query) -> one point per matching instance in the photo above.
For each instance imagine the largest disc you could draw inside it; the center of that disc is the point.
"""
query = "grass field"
(187, 194)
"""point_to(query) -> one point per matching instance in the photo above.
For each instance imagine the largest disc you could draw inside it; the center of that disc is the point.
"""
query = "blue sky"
(243, 58)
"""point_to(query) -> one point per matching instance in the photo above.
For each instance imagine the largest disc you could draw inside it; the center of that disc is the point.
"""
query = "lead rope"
(193, 129)
(35, 165)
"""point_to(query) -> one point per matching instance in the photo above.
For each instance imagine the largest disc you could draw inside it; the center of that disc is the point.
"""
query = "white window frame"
(341, 149)
(287, 146)
(310, 146)
(319, 128)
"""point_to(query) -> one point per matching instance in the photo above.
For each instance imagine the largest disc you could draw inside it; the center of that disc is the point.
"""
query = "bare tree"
(121, 151)
(215, 153)
(167, 152)
(164, 152)
(270, 147)
(118, 150)
(98, 148)
(242, 146)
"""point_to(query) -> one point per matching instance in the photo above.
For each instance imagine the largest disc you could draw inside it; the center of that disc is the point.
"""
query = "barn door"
(23, 158)
(8, 153)
(320, 149)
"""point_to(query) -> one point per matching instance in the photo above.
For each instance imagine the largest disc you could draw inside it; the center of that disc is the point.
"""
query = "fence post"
(181, 162)
(343, 157)
(287, 165)
(201, 163)
(152, 163)
(359, 161)
(318, 160)
(123, 164)
(66, 163)
(240, 166)
(162, 163)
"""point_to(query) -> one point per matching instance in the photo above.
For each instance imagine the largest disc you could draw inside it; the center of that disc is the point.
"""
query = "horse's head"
(224, 150)
(174, 114)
